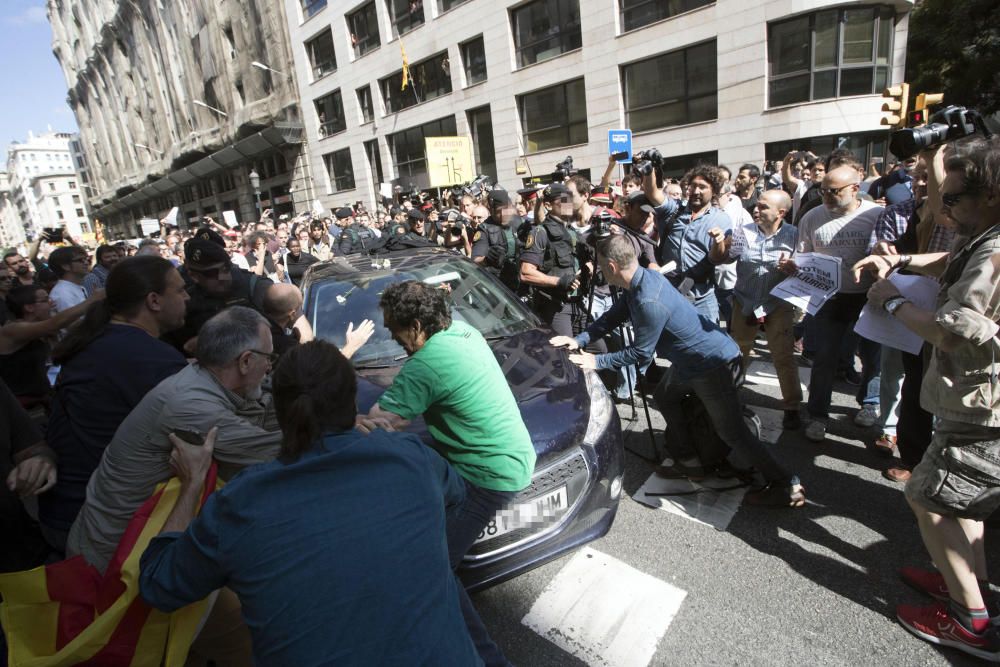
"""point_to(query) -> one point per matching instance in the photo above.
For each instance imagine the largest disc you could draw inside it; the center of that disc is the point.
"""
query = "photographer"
(550, 262)
(494, 244)
(801, 171)
(956, 485)
(684, 236)
(452, 232)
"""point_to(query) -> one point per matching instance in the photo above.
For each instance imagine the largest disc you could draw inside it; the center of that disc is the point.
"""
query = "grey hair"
(228, 335)
(619, 250)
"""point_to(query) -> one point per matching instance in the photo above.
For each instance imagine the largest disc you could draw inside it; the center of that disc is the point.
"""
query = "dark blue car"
(573, 423)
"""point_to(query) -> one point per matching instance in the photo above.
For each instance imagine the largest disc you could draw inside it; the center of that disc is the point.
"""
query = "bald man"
(840, 228)
(762, 250)
(289, 326)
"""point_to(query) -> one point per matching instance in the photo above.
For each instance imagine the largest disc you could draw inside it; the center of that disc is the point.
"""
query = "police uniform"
(246, 289)
(356, 238)
(498, 244)
(554, 248)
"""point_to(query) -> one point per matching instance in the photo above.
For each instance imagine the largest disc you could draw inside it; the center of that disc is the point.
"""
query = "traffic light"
(897, 99)
(920, 115)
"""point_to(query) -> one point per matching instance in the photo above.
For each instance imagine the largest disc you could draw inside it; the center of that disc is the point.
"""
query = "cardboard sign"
(449, 160)
(149, 226)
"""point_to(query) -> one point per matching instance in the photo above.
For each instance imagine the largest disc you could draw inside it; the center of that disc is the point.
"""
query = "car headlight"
(601, 407)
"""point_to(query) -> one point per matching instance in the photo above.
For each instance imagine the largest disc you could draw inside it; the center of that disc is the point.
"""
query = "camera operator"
(683, 232)
(955, 486)
(495, 245)
(453, 232)
(550, 262)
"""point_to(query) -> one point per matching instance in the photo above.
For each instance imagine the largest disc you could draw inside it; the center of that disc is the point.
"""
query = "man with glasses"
(841, 227)
(215, 284)
(71, 265)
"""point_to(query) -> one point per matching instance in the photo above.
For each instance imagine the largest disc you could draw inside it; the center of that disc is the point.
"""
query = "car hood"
(551, 392)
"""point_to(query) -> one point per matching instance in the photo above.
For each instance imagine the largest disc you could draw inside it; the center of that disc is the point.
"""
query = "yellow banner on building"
(449, 161)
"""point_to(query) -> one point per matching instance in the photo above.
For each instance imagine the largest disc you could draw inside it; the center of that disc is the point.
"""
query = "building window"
(365, 102)
(408, 149)
(545, 29)
(362, 24)
(674, 88)
(865, 145)
(76, 199)
(321, 55)
(312, 7)
(447, 5)
(832, 53)
(405, 15)
(554, 117)
(474, 60)
(428, 79)
(340, 170)
(72, 185)
(52, 187)
(59, 214)
(79, 212)
(639, 13)
(330, 111)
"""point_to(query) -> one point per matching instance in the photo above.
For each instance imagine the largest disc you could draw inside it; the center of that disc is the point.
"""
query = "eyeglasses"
(828, 192)
(479, 217)
(951, 199)
(272, 357)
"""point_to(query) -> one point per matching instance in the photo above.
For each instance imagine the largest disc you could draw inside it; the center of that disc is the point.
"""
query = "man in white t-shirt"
(840, 228)
(71, 265)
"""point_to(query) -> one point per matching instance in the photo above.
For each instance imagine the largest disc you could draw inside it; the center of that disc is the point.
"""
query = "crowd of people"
(153, 359)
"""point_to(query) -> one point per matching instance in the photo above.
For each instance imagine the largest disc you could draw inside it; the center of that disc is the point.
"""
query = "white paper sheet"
(879, 326)
(817, 279)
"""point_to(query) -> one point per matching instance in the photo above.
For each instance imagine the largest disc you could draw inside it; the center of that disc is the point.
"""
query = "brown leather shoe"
(897, 474)
(886, 444)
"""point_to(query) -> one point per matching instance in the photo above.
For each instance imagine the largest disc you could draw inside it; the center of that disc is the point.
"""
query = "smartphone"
(53, 234)
(190, 437)
(621, 155)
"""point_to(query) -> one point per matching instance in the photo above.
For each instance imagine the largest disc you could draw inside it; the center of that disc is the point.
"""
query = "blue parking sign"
(620, 141)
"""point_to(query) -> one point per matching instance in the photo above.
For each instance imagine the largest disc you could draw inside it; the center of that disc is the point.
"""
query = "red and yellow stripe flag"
(68, 614)
(406, 66)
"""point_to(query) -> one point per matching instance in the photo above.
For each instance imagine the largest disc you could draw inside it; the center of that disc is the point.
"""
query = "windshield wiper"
(374, 364)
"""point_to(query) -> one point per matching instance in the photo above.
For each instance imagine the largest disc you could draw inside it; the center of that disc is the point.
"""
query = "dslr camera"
(564, 170)
(948, 124)
(647, 162)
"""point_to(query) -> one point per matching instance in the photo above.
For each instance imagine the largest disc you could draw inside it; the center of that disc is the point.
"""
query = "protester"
(956, 485)
(70, 264)
(454, 381)
(110, 361)
(296, 261)
(368, 577)
(105, 257)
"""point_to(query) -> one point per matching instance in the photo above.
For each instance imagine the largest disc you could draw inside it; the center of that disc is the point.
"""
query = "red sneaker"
(929, 582)
(935, 625)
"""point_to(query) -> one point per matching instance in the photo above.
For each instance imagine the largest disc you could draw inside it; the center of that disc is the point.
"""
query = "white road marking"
(605, 612)
(759, 372)
(701, 502)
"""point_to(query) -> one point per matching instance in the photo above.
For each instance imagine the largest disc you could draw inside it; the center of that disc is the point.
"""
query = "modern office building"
(44, 186)
(187, 104)
(533, 81)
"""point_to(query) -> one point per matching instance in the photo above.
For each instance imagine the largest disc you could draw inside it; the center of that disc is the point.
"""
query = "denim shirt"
(688, 243)
(665, 323)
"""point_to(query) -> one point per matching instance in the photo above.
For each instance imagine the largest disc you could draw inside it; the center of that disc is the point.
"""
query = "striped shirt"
(757, 265)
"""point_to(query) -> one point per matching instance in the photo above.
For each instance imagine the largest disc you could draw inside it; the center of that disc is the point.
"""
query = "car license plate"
(537, 511)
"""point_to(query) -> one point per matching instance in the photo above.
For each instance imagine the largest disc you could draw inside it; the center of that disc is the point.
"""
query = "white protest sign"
(880, 327)
(385, 189)
(149, 226)
(171, 217)
(739, 243)
(817, 279)
(230, 218)
(317, 208)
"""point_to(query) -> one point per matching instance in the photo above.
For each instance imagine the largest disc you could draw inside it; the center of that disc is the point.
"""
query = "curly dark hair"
(711, 175)
(412, 301)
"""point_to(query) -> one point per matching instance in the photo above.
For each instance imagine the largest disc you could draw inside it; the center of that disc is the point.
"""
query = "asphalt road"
(817, 585)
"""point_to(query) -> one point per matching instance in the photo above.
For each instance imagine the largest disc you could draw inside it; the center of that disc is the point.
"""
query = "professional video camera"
(948, 124)
(649, 161)
(564, 170)
(600, 225)
(451, 221)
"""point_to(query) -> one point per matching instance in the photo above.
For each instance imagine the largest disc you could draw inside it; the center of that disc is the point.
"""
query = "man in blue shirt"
(704, 361)
(336, 550)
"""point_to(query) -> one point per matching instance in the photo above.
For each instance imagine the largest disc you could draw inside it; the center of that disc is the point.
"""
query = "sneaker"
(816, 430)
(931, 582)
(791, 421)
(935, 624)
(886, 444)
(777, 495)
(867, 416)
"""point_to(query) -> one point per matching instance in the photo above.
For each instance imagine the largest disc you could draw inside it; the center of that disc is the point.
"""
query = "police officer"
(356, 237)
(550, 261)
(215, 284)
(495, 244)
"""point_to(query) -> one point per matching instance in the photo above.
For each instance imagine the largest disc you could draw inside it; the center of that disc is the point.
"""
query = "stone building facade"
(177, 102)
(44, 186)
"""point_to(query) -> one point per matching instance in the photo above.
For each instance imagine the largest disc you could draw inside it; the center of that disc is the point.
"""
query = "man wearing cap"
(214, 285)
(639, 223)
(320, 242)
(356, 237)
(494, 244)
(550, 262)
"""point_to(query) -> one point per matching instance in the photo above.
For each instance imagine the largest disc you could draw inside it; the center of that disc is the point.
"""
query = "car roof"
(361, 263)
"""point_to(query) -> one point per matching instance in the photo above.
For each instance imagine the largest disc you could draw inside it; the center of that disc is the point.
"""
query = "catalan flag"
(67, 613)
(406, 67)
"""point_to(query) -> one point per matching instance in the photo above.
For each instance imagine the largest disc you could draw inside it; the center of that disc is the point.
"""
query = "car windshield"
(476, 299)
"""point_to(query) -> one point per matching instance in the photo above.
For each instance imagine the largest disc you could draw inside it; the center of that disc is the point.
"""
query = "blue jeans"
(626, 375)
(463, 525)
(717, 391)
(832, 326)
(890, 388)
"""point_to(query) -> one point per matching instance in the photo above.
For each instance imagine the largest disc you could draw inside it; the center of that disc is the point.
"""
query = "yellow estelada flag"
(406, 67)
(68, 613)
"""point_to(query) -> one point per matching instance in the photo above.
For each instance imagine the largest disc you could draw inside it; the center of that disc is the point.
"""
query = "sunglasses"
(950, 199)
(827, 192)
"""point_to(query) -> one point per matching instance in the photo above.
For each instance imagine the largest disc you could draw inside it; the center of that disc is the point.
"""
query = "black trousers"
(913, 431)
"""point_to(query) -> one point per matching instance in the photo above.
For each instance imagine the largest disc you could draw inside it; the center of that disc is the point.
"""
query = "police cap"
(343, 213)
(554, 191)
(414, 214)
(498, 197)
(209, 234)
(202, 255)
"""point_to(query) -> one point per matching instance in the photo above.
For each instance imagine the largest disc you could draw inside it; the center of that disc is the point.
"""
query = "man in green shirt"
(455, 382)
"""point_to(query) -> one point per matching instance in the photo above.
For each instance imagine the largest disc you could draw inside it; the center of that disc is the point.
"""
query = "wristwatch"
(893, 304)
